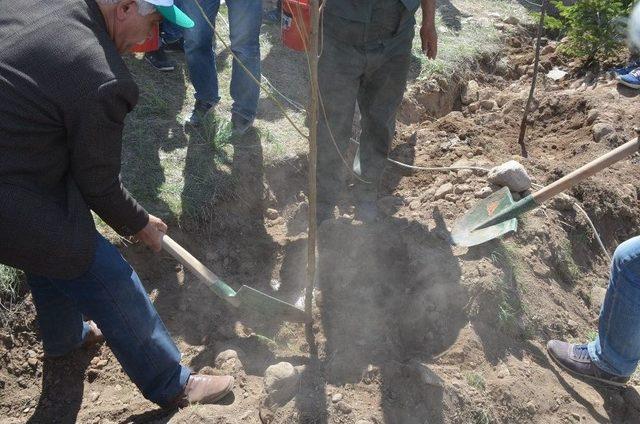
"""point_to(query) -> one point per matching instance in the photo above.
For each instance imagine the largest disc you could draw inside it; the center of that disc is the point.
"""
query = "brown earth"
(409, 329)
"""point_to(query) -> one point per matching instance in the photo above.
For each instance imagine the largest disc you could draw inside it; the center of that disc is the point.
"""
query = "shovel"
(496, 215)
(245, 298)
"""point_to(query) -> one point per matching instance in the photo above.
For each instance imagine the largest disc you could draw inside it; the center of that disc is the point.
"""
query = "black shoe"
(159, 60)
(240, 124)
(575, 359)
(200, 112)
(174, 46)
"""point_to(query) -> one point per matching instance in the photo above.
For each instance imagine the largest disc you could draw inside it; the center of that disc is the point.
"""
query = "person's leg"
(61, 325)
(339, 75)
(245, 18)
(616, 350)
(198, 49)
(111, 293)
(380, 95)
(170, 32)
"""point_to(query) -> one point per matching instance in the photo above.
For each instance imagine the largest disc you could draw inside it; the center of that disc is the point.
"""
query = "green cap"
(172, 13)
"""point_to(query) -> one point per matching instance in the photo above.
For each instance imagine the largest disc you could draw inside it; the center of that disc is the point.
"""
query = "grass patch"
(510, 309)
(476, 381)
(482, 416)
(567, 267)
(10, 283)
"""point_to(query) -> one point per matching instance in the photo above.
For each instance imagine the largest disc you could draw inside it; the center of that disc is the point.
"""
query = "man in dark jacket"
(64, 95)
(365, 59)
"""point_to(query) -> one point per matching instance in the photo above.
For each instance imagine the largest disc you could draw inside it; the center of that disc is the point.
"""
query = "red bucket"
(296, 24)
(150, 44)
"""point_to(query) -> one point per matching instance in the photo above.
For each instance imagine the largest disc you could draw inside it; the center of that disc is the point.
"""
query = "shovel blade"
(465, 230)
(269, 306)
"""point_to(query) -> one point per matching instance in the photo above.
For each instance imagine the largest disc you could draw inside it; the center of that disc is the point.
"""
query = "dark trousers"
(368, 64)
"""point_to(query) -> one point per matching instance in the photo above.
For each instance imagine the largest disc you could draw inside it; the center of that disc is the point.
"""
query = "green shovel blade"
(266, 305)
(466, 231)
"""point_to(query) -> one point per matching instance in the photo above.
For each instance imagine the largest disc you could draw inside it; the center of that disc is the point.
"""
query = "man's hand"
(429, 38)
(152, 234)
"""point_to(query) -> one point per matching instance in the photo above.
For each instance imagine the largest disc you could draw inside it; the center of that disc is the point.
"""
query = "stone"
(32, 362)
(228, 362)
(548, 49)
(451, 198)
(557, 74)
(510, 174)
(281, 382)
(101, 363)
(503, 371)
(415, 205)
(488, 104)
(512, 20)
(483, 192)
(344, 407)
(474, 107)
(470, 93)
(272, 214)
(94, 396)
(531, 408)
(464, 174)
(462, 188)
(600, 130)
(336, 397)
(562, 202)
(443, 190)
(592, 116)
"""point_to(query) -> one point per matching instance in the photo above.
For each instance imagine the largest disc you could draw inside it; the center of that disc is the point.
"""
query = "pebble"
(464, 174)
(32, 361)
(488, 104)
(281, 382)
(600, 130)
(344, 407)
(483, 192)
(557, 74)
(336, 398)
(443, 190)
(451, 198)
(101, 363)
(272, 214)
(462, 188)
(531, 408)
(503, 371)
(470, 93)
(474, 107)
(94, 396)
(415, 205)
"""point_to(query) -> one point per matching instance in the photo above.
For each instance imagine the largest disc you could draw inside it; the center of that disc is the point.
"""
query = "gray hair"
(144, 8)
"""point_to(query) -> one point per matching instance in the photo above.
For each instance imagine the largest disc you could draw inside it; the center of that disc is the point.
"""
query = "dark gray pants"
(367, 63)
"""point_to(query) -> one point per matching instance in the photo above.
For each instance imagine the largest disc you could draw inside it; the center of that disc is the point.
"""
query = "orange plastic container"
(150, 44)
(296, 24)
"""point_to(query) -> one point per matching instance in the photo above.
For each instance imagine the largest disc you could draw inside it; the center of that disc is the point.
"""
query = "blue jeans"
(111, 294)
(616, 350)
(245, 18)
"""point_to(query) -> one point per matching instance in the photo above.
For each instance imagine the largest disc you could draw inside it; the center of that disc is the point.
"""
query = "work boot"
(159, 60)
(575, 359)
(204, 389)
(201, 110)
(239, 124)
(93, 336)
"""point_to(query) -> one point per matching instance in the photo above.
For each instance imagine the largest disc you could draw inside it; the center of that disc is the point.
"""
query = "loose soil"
(408, 328)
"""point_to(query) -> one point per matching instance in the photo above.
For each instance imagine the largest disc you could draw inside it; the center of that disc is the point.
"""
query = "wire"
(438, 168)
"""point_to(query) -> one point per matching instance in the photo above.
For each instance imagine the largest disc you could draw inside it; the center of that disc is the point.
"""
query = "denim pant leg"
(198, 49)
(61, 325)
(616, 350)
(111, 293)
(245, 18)
(170, 32)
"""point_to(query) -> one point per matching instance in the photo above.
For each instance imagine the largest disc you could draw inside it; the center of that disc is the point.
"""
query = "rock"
(483, 192)
(336, 398)
(281, 382)
(474, 107)
(601, 130)
(451, 198)
(488, 104)
(94, 396)
(462, 188)
(548, 49)
(464, 174)
(344, 407)
(443, 190)
(470, 93)
(557, 74)
(31, 354)
(101, 363)
(227, 362)
(592, 116)
(512, 20)
(510, 174)
(562, 202)
(32, 362)
(272, 214)
(503, 371)
(531, 408)
(415, 205)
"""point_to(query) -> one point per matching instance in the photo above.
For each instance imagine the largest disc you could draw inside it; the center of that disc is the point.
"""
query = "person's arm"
(428, 34)
(95, 142)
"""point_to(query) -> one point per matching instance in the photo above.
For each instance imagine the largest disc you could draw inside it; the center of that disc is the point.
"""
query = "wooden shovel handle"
(586, 171)
(202, 272)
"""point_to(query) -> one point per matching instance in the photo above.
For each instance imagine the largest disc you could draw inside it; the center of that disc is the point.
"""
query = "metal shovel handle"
(586, 171)
(202, 272)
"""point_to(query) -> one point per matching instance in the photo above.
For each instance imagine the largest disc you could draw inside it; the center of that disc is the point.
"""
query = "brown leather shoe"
(93, 337)
(205, 389)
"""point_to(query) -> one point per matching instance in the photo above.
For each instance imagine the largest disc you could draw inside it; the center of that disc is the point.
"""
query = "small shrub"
(476, 381)
(593, 27)
(10, 279)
